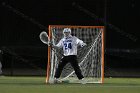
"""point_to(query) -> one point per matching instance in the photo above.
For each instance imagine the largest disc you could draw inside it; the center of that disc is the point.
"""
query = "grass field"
(37, 85)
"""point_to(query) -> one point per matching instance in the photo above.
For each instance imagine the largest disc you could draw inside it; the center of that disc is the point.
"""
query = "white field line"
(109, 86)
(98, 86)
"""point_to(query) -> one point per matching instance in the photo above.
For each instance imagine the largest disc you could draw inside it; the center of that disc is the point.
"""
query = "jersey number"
(68, 45)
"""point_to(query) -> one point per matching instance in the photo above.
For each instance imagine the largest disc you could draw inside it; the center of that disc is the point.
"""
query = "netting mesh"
(89, 57)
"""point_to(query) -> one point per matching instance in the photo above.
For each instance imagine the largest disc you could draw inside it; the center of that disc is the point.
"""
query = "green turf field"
(37, 85)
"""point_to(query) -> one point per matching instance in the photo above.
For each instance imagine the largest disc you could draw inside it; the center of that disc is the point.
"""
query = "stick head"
(44, 37)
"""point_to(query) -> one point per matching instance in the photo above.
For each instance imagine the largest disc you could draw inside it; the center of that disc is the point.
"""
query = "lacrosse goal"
(90, 58)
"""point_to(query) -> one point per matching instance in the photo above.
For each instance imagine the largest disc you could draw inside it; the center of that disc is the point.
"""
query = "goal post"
(90, 58)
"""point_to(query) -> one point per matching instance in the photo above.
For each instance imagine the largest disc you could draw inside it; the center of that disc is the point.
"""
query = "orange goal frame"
(70, 26)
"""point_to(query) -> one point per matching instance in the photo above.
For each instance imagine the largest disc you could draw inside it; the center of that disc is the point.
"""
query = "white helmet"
(67, 30)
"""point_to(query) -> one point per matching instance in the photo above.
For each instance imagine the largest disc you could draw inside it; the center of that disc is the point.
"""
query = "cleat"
(82, 81)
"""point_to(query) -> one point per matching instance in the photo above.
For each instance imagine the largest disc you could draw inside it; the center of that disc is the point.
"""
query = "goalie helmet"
(67, 32)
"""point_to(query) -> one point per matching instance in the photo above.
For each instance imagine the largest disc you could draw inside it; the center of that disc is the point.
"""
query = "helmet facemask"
(67, 32)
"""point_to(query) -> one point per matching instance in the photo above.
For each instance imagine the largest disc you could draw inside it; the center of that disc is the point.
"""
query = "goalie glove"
(50, 44)
(84, 44)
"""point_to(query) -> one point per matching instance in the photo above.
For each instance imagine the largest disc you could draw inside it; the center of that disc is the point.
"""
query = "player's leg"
(61, 65)
(77, 69)
(74, 63)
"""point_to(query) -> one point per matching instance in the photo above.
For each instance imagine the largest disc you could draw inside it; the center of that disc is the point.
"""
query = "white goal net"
(90, 58)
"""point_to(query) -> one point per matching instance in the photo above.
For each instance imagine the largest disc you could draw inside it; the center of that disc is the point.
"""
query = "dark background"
(21, 21)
